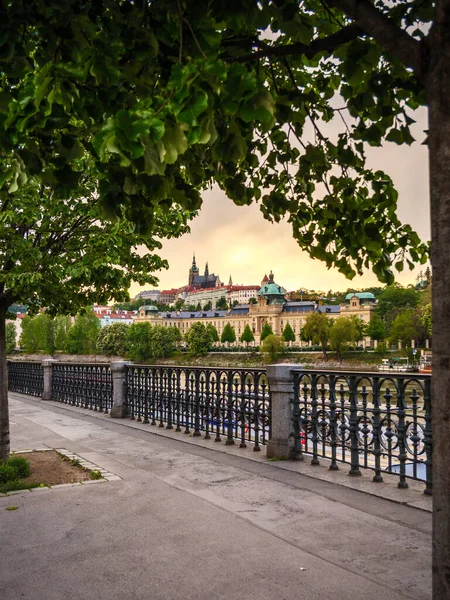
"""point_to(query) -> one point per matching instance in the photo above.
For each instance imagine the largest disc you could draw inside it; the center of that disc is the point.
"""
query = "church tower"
(193, 271)
(206, 270)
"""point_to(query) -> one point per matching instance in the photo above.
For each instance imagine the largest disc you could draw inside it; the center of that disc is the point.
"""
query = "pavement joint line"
(233, 450)
(107, 476)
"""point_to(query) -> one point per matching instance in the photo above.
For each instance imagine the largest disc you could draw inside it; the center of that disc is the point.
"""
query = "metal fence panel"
(376, 421)
(26, 378)
(224, 403)
(85, 385)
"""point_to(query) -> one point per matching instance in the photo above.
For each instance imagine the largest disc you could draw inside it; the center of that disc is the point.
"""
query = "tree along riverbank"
(358, 361)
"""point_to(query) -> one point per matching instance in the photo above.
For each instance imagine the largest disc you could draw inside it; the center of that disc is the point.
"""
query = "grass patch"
(278, 458)
(13, 486)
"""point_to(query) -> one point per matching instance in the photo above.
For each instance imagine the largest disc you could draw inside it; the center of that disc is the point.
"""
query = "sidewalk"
(187, 521)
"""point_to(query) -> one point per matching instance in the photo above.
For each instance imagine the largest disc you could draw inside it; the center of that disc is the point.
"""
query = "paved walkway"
(186, 521)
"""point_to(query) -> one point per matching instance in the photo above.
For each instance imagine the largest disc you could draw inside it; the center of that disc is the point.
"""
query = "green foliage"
(272, 347)
(61, 327)
(179, 304)
(38, 334)
(266, 331)
(426, 319)
(360, 327)
(198, 339)
(112, 340)
(163, 341)
(208, 306)
(82, 337)
(342, 332)
(247, 335)
(221, 303)
(138, 341)
(11, 336)
(228, 335)
(21, 465)
(406, 326)
(376, 329)
(7, 473)
(161, 105)
(213, 332)
(288, 334)
(96, 474)
(317, 329)
(16, 467)
(253, 301)
(393, 300)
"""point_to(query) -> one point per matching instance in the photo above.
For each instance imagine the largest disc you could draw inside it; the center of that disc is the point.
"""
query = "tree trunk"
(438, 86)
(4, 410)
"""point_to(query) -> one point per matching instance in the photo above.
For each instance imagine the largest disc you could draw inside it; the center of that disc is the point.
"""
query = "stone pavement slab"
(189, 522)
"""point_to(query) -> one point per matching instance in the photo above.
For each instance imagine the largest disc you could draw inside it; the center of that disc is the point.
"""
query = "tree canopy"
(228, 335)
(198, 339)
(164, 98)
(317, 330)
(247, 335)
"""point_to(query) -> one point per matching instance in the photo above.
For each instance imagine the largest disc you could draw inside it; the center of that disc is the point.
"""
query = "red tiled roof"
(236, 288)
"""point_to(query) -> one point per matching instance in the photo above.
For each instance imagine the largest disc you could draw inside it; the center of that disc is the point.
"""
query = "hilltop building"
(272, 307)
(206, 280)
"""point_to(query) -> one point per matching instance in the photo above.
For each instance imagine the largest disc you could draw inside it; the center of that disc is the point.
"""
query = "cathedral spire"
(194, 264)
(230, 281)
(206, 270)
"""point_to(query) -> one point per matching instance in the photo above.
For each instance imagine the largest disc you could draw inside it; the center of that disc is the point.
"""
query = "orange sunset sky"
(237, 240)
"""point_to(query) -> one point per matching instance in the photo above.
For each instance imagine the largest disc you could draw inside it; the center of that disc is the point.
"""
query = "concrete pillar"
(48, 373)
(413, 344)
(375, 344)
(281, 385)
(427, 343)
(118, 373)
(399, 345)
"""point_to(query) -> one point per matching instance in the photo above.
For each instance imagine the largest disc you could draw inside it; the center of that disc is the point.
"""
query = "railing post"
(118, 374)
(47, 366)
(281, 386)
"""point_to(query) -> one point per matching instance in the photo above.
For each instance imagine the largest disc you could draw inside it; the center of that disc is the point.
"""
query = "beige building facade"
(271, 308)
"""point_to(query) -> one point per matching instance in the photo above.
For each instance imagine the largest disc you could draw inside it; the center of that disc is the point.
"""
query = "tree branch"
(327, 44)
(386, 33)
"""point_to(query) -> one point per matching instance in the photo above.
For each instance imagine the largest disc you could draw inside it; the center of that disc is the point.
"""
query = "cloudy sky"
(238, 241)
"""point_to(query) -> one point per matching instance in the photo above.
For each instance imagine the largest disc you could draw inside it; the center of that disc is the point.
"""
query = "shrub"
(21, 465)
(7, 473)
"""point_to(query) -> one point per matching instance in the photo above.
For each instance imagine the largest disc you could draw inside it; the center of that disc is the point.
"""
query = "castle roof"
(360, 295)
(272, 291)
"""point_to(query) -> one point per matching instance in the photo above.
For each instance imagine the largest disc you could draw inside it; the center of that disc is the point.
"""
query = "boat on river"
(396, 365)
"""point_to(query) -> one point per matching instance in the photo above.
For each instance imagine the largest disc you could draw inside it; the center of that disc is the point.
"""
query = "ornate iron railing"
(84, 385)
(376, 421)
(233, 403)
(26, 378)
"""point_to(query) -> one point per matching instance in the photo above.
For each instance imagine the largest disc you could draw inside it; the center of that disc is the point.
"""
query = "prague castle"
(271, 307)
